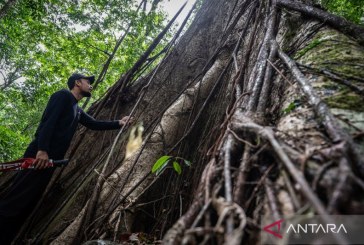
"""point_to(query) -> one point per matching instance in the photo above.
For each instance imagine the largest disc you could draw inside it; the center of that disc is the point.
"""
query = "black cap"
(75, 76)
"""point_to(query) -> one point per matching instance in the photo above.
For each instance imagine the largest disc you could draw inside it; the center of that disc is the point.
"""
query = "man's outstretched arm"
(91, 123)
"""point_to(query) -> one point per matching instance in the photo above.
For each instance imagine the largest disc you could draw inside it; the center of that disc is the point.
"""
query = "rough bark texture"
(245, 96)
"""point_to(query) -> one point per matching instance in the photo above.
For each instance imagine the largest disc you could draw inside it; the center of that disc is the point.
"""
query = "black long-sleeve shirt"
(59, 123)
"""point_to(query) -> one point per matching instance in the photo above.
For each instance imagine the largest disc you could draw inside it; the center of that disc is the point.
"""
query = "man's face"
(85, 87)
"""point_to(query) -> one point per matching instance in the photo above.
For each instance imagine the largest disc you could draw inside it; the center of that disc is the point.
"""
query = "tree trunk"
(265, 103)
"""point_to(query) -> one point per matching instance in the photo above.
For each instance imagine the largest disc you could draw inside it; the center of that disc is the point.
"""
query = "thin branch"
(320, 174)
(98, 49)
(291, 191)
(272, 199)
(242, 175)
(342, 189)
(241, 140)
(227, 179)
(280, 73)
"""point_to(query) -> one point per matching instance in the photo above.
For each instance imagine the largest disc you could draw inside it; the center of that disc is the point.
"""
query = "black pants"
(19, 201)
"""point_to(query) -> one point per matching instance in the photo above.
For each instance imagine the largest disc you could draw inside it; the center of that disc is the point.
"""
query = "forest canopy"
(352, 10)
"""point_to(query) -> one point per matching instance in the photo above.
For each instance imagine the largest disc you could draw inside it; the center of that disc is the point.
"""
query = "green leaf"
(289, 108)
(160, 163)
(162, 168)
(177, 167)
(188, 163)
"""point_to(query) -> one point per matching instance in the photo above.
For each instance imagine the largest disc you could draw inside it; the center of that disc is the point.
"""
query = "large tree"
(264, 98)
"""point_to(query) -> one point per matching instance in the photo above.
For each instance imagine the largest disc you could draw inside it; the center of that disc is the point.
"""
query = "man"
(52, 139)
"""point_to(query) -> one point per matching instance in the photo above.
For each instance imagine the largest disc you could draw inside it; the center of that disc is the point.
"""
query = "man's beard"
(85, 94)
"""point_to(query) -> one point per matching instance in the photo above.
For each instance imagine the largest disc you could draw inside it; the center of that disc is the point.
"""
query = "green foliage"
(346, 100)
(352, 10)
(177, 167)
(43, 42)
(163, 161)
(292, 106)
(10, 149)
(289, 108)
(160, 164)
(310, 46)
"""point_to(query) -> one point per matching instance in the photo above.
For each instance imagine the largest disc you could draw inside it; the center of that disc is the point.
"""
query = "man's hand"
(41, 160)
(128, 119)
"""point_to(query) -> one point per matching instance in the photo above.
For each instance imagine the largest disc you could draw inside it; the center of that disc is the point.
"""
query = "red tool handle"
(27, 163)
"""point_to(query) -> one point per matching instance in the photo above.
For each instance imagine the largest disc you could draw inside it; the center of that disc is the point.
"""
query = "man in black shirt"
(52, 139)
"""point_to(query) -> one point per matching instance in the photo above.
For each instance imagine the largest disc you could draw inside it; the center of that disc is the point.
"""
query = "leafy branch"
(163, 161)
